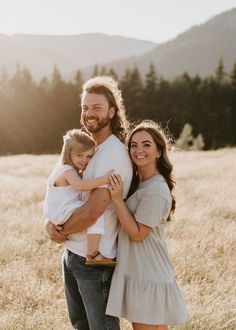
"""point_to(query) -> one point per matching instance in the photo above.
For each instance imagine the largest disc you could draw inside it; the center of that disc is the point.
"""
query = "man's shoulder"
(112, 154)
(114, 145)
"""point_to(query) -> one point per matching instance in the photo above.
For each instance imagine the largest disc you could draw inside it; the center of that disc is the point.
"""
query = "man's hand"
(54, 233)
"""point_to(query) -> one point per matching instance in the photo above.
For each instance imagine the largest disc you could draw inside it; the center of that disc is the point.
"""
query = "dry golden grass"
(201, 241)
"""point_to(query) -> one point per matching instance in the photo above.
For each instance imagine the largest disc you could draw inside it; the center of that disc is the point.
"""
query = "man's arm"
(85, 216)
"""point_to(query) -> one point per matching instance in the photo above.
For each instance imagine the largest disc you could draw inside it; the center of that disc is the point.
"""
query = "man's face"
(95, 113)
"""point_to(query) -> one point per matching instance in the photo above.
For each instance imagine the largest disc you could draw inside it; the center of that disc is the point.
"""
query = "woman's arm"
(136, 231)
(85, 185)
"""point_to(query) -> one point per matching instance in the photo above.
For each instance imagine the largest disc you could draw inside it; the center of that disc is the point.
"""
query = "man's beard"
(99, 125)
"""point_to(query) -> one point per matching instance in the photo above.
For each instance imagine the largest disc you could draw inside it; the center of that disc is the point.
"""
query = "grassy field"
(201, 242)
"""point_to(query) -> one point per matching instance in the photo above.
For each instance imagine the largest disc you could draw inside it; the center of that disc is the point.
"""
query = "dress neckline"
(156, 177)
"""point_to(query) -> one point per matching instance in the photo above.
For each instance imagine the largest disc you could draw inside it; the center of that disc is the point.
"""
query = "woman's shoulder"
(156, 185)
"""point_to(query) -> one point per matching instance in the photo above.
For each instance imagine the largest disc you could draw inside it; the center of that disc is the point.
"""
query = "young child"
(65, 185)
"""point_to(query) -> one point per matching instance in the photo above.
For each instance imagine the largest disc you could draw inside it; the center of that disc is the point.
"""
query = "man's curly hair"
(107, 86)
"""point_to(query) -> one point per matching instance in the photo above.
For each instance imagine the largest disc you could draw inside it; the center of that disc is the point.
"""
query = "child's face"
(80, 159)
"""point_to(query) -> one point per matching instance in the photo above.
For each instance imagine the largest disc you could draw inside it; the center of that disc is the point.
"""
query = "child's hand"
(116, 187)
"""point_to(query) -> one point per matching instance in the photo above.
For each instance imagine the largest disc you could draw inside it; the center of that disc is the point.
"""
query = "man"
(87, 287)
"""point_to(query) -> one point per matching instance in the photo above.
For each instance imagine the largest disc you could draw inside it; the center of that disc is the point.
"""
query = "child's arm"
(86, 185)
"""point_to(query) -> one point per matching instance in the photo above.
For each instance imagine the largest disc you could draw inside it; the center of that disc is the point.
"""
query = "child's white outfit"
(60, 202)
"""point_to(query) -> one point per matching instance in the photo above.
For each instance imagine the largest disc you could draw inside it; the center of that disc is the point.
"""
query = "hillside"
(39, 53)
(196, 51)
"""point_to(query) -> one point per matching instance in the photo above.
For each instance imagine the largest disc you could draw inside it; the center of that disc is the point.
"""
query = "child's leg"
(93, 241)
(94, 235)
(94, 257)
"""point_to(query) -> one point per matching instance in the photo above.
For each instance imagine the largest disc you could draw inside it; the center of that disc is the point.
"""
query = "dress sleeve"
(57, 172)
(152, 210)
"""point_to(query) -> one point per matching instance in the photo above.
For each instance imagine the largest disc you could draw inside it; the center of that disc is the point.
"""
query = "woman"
(143, 289)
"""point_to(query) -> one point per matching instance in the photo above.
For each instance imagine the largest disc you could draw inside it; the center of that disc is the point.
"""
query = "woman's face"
(143, 149)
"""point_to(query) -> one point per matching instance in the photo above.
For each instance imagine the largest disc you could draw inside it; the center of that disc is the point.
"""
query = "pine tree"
(56, 77)
(132, 89)
(149, 99)
(4, 77)
(220, 72)
(232, 109)
(233, 77)
(26, 78)
(44, 85)
(198, 143)
(78, 81)
(103, 71)
(185, 139)
(4, 83)
(151, 80)
(111, 72)
(95, 71)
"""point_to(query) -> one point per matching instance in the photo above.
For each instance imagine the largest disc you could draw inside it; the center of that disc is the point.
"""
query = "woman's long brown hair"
(164, 166)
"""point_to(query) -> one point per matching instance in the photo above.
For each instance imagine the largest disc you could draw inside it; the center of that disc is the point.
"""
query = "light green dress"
(143, 288)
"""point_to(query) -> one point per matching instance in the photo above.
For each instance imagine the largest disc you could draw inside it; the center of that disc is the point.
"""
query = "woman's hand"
(116, 187)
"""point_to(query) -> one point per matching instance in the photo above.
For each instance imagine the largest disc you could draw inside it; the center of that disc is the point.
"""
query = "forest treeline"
(35, 115)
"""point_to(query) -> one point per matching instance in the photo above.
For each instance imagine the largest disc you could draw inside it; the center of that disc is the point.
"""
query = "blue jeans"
(86, 290)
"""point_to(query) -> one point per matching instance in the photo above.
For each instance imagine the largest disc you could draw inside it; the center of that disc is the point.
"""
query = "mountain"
(196, 51)
(39, 53)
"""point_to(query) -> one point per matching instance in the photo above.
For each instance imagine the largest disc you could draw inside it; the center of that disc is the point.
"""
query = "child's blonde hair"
(72, 140)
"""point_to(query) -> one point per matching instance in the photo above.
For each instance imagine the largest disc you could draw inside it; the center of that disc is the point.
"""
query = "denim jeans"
(86, 290)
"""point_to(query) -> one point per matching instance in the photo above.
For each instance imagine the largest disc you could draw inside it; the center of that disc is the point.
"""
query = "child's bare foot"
(97, 259)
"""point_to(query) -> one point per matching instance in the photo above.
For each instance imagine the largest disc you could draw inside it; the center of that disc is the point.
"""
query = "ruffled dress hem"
(144, 301)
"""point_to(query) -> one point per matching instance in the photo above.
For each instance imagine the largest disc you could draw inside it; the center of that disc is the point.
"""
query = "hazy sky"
(156, 20)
